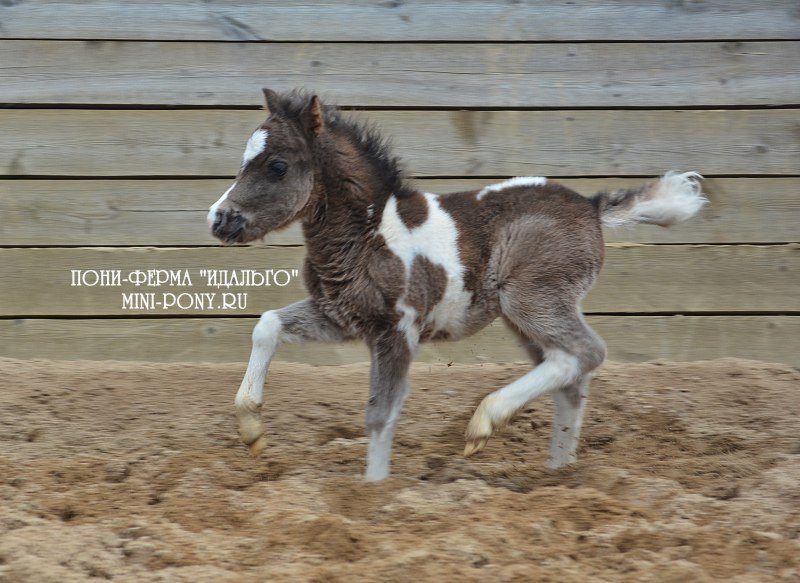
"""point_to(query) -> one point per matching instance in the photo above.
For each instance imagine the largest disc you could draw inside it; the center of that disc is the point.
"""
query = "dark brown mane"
(364, 137)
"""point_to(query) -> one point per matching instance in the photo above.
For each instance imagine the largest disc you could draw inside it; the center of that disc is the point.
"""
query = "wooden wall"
(123, 121)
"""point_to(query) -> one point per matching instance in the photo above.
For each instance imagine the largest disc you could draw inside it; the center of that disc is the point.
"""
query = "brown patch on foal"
(387, 272)
(474, 246)
(480, 225)
(413, 210)
(426, 287)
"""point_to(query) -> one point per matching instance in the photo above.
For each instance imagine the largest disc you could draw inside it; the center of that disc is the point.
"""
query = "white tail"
(671, 199)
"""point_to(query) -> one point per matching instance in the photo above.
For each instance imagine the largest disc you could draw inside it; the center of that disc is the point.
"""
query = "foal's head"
(276, 179)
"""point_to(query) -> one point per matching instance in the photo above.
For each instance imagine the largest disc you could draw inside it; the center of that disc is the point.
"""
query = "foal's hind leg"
(298, 322)
(569, 403)
(570, 351)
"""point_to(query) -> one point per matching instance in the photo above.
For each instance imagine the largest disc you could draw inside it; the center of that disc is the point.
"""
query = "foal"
(395, 267)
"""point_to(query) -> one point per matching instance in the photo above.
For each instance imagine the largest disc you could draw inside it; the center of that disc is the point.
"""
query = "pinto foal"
(395, 267)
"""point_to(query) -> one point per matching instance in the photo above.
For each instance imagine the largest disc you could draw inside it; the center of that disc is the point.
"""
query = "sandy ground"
(133, 472)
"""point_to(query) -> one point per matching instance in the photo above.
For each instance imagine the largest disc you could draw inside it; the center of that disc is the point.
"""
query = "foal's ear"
(314, 118)
(271, 100)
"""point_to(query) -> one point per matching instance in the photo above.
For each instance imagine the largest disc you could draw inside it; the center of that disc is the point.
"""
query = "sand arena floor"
(133, 472)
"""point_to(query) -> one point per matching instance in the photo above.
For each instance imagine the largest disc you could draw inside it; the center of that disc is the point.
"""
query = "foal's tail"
(671, 199)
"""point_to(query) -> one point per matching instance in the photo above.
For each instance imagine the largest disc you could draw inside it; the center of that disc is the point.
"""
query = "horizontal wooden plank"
(421, 75)
(433, 143)
(636, 279)
(532, 20)
(173, 212)
(629, 339)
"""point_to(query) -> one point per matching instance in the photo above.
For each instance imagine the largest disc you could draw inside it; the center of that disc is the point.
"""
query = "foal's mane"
(365, 137)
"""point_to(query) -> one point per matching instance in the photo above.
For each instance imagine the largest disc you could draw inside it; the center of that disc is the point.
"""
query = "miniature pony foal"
(396, 267)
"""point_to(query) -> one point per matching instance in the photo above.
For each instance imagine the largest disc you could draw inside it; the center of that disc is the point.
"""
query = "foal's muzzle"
(228, 226)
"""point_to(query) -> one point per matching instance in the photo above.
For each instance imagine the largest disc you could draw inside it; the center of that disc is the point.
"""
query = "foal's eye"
(278, 168)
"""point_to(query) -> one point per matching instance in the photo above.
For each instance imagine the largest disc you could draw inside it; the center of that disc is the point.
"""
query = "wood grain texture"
(629, 339)
(78, 172)
(531, 20)
(635, 279)
(418, 75)
(173, 212)
(432, 143)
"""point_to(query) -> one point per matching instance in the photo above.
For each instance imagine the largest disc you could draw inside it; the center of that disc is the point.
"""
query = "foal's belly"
(459, 315)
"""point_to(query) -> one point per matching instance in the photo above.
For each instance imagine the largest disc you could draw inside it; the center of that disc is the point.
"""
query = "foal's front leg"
(298, 322)
(388, 388)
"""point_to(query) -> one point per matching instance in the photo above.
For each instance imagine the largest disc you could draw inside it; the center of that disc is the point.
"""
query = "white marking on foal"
(408, 323)
(512, 183)
(557, 370)
(266, 339)
(437, 240)
(212, 212)
(255, 145)
(380, 442)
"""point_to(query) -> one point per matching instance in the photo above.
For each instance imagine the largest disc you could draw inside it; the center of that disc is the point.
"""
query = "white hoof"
(480, 428)
(252, 432)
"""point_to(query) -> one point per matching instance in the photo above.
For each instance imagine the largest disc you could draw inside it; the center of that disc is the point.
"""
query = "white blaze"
(212, 212)
(255, 145)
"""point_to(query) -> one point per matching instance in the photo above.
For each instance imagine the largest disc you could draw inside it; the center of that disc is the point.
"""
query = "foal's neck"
(349, 193)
